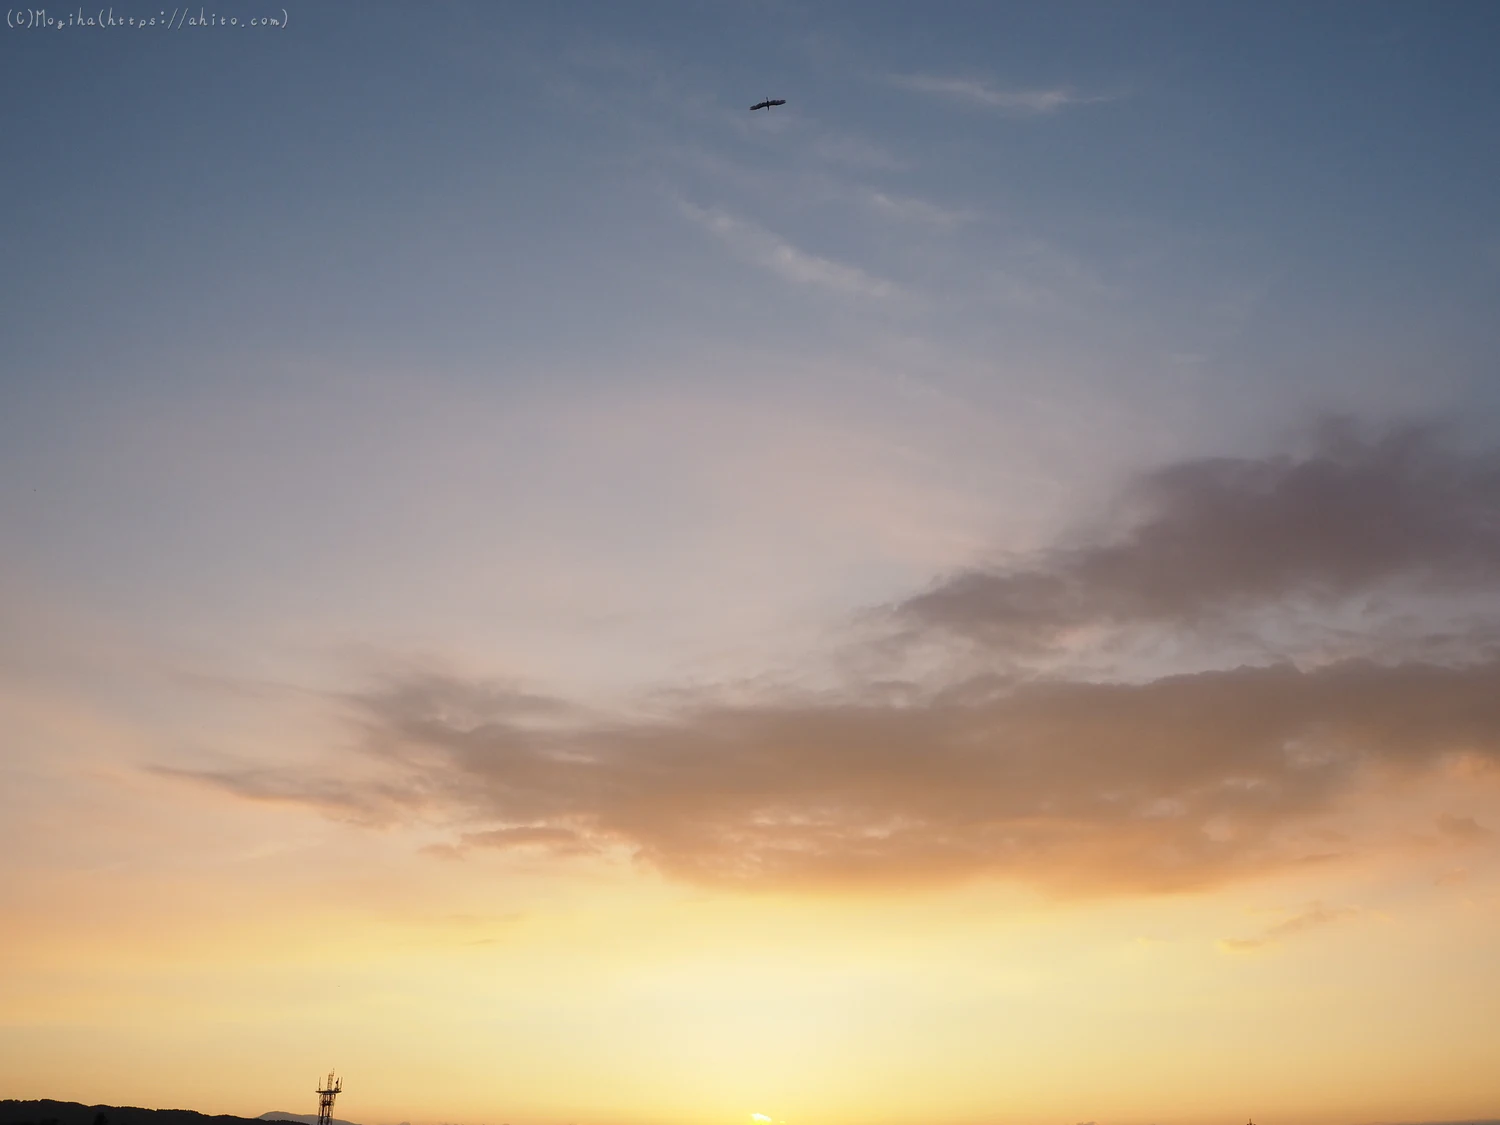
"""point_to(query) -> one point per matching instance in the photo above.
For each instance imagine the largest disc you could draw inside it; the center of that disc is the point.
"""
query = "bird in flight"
(767, 104)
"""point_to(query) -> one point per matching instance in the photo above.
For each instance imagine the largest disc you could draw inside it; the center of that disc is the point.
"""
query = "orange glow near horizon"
(481, 991)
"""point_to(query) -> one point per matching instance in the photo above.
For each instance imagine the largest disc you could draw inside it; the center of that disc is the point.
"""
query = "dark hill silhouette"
(73, 1113)
(45, 1112)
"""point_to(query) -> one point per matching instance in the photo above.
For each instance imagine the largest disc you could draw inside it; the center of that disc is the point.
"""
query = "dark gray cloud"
(1204, 540)
(1077, 787)
(1072, 785)
(1464, 829)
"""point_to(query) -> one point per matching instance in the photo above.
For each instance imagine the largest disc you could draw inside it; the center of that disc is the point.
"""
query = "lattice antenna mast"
(326, 1095)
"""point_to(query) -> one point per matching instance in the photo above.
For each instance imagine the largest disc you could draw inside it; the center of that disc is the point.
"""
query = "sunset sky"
(969, 598)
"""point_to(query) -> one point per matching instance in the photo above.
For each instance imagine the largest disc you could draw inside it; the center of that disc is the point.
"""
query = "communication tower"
(326, 1095)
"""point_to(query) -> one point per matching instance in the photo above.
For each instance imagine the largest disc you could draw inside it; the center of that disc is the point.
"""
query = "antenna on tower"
(326, 1095)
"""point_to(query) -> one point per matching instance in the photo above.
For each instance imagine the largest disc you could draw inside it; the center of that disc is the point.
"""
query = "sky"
(968, 598)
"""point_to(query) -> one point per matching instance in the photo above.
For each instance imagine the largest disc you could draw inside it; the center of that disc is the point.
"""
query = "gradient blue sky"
(484, 344)
(254, 278)
(1227, 216)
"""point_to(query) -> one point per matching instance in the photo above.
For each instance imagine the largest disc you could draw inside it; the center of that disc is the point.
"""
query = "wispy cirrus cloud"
(1024, 102)
(1315, 917)
(919, 211)
(772, 252)
(854, 151)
